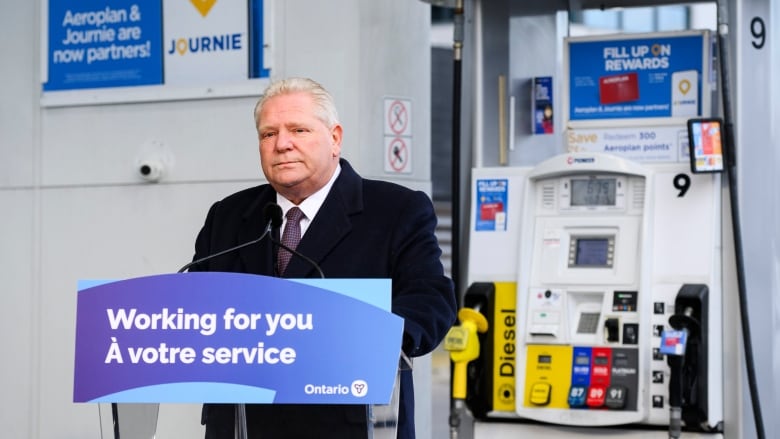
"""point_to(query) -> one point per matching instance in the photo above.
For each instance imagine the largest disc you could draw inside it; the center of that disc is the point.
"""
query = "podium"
(231, 338)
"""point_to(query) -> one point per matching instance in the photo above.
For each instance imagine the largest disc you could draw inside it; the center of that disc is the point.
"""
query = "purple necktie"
(291, 237)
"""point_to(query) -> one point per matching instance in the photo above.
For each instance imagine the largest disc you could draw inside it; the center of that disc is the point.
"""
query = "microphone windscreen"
(273, 213)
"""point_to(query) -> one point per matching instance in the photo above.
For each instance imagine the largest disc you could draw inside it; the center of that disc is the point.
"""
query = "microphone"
(277, 217)
(271, 212)
(300, 255)
(274, 212)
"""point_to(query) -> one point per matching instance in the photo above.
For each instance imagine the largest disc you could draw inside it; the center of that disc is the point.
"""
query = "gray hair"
(322, 99)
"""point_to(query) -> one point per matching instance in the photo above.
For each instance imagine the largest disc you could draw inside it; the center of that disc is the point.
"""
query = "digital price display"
(593, 191)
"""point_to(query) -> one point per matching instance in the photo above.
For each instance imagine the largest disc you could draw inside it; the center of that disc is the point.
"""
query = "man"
(352, 228)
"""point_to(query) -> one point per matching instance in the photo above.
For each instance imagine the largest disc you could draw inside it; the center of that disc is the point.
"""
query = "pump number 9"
(682, 182)
(758, 30)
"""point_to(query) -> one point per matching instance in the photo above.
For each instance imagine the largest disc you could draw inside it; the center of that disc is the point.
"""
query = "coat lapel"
(257, 258)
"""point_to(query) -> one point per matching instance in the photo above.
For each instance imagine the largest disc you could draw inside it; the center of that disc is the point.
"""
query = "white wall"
(18, 221)
(73, 206)
(362, 52)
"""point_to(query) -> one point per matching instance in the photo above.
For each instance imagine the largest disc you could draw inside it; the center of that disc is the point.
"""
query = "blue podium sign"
(236, 338)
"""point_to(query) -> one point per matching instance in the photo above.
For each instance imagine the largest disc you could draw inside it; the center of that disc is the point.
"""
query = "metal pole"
(241, 430)
(731, 172)
(456, 113)
(457, 407)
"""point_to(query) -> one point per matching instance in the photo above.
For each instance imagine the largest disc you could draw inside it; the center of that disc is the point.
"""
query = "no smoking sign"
(397, 135)
(398, 117)
(398, 157)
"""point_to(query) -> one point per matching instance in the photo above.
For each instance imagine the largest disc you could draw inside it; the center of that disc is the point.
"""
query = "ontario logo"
(358, 389)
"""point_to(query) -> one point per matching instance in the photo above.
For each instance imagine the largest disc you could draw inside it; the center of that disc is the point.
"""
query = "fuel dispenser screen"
(591, 251)
(593, 191)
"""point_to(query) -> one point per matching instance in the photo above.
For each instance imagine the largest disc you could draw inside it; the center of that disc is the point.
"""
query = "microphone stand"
(273, 213)
(273, 210)
(231, 249)
(240, 417)
(241, 430)
(298, 254)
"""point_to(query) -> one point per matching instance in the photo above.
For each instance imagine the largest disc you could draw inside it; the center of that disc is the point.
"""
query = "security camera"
(154, 161)
(151, 170)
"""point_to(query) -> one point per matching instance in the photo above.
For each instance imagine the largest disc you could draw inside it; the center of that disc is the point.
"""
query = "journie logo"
(208, 43)
(684, 86)
(203, 6)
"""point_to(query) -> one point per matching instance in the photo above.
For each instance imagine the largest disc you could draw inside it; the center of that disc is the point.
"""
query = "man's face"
(298, 152)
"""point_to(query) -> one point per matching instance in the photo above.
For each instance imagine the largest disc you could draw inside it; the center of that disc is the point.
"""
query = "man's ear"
(336, 135)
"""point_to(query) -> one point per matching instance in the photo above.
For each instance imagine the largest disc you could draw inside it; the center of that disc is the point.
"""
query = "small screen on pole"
(705, 145)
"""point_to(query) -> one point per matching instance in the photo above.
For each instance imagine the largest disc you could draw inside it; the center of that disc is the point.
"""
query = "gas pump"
(608, 255)
(585, 291)
(604, 244)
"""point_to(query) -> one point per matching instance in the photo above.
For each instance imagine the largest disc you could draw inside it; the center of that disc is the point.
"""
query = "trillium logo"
(359, 388)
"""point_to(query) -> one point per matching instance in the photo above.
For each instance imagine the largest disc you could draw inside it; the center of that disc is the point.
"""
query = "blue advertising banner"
(491, 204)
(636, 77)
(95, 43)
(542, 105)
(236, 338)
